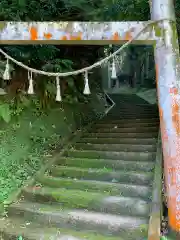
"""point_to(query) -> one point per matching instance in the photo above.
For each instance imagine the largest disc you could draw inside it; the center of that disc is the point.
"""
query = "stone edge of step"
(14, 227)
(101, 202)
(49, 215)
(114, 174)
(44, 193)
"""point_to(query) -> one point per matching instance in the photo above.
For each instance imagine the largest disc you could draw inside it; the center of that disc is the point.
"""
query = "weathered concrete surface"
(150, 95)
(72, 31)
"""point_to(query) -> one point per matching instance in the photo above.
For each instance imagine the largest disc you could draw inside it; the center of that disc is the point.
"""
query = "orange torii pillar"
(168, 83)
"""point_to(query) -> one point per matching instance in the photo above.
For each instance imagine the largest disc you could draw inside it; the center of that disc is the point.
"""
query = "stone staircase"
(101, 188)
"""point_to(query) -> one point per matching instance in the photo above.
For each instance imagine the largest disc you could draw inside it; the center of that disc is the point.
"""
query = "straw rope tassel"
(6, 75)
(31, 88)
(113, 75)
(58, 92)
(86, 87)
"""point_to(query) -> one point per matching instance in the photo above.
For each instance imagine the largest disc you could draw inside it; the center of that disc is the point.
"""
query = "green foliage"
(58, 65)
(20, 238)
(47, 58)
(22, 146)
(70, 10)
(5, 112)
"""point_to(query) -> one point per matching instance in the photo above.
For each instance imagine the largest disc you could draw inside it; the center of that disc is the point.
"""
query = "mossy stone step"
(128, 114)
(115, 147)
(134, 112)
(14, 227)
(129, 156)
(112, 189)
(106, 224)
(135, 141)
(140, 108)
(92, 201)
(134, 109)
(126, 130)
(105, 174)
(68, 198)
(125, 124)
(105, 163)
(117, 116)
(126, 120)
(120, 135)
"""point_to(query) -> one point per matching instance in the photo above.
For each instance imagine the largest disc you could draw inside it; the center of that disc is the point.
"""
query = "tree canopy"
(67, 10)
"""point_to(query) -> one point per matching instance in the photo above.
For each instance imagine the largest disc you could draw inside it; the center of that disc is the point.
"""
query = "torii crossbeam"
(167, 71)
(72, 32)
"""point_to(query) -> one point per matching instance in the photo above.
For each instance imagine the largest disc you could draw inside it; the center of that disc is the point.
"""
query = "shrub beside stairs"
(101, 188)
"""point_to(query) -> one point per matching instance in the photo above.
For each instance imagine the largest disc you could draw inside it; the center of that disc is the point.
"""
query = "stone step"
(132, 107)
(108, 175)
(115, 147)
(126, 120)
(129, 102)
(110, 188)
(136, 141)
(105, 224)
(126, 130)
(91, 201)
(129, 156)
(122, 125)
(105, 163)
(14, 227)
(150, 135)
(141, 106)
(123, 116)
(134, 111)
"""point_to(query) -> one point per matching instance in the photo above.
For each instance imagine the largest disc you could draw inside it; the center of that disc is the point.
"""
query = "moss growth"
(70, 198)
(88, 235)
(102, 163)
(22, 146)
(76, 199)
(2, 25)
(74, 172)
(95, 186)
(75, 184)
(103, 174)
(158, 30)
